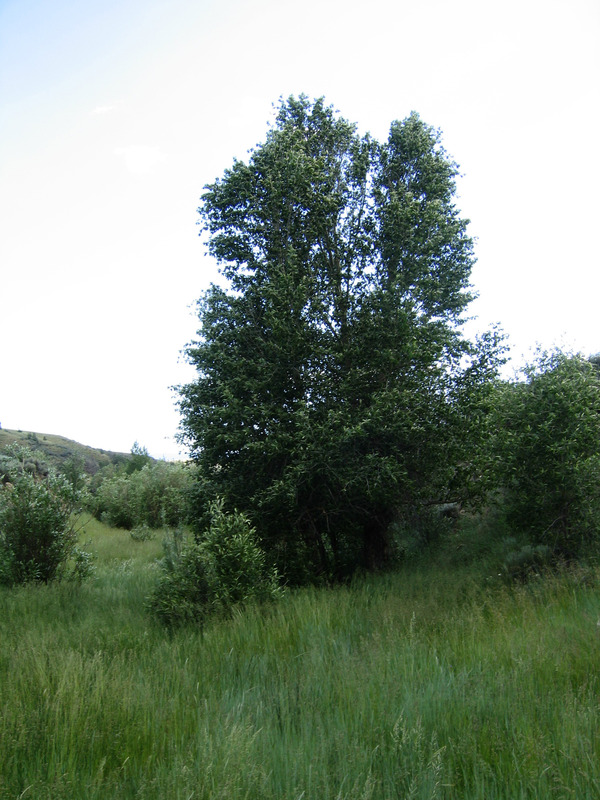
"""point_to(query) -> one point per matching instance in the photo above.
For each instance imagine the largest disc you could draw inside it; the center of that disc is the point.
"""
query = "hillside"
(56, 450)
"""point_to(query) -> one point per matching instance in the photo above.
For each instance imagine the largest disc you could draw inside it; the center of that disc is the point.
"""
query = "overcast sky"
(115, 113)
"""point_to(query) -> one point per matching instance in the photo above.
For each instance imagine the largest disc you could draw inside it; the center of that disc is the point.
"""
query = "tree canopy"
(335, 390)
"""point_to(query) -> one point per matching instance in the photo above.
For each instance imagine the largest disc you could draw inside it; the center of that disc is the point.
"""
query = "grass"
(433, 682)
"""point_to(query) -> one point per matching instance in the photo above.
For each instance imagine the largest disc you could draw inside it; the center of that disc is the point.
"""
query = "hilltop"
(56, 450)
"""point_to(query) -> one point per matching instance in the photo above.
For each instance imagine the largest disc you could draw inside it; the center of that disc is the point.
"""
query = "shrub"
(223, 569)
(112, 503)
(414, 532)
(154, 495)
(527, 561)
(141, 533)
(183, 593)
(38, 540)
(548, 453)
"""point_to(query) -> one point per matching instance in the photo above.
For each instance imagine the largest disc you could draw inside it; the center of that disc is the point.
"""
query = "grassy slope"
(55, 450)
(430, 683)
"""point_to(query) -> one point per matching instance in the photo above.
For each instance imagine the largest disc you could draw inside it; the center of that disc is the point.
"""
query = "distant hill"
(56, 450)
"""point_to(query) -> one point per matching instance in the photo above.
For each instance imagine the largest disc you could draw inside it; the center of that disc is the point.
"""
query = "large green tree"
(332, 374)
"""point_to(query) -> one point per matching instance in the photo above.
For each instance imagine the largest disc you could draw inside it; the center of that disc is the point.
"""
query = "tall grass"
(429, 683)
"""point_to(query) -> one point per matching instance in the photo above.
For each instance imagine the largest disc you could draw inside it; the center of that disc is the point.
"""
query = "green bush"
(154, 495)
(38, 540)
(141, 533)
(183, 593)
(112, 503)
(224, 569)
(527, 561)
(414, 532)
(547, 451)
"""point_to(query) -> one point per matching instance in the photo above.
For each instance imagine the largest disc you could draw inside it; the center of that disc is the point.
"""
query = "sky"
(115, 113)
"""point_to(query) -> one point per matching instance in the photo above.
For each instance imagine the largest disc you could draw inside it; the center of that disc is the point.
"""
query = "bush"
(183, 593)
(414, 532)
(38, 540)
(154, 495)
(224, 569)
(548, 453)
(112, 503)
(141, 533)
(527, 561)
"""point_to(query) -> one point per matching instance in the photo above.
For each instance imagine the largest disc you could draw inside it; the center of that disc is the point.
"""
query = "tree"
(332, 374)
(548, 452)
(138, 460)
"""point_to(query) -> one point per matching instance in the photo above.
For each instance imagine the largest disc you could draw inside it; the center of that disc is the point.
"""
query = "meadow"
(436, 681)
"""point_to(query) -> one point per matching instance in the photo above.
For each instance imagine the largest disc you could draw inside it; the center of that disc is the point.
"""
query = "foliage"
(138, 460)
(38, 539)
(111, 502)
(413, 534)
(224, 569)
(142, 533)
(74, 471)
(527, 561)
(152, 496)
(335, 390)
(547, 448)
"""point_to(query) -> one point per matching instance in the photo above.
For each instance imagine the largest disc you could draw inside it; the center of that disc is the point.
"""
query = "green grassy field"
(433, 682)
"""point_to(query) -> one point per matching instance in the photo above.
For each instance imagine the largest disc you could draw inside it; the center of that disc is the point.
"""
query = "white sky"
(115, 113)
